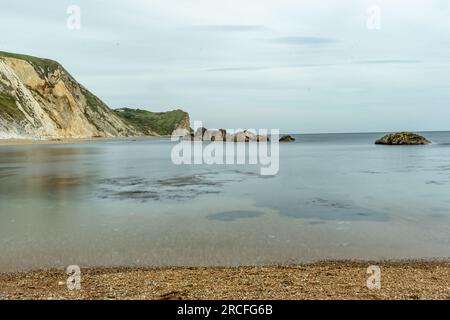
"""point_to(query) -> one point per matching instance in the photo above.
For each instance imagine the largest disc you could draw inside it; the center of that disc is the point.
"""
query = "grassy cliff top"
(45, 65)
(163, 123)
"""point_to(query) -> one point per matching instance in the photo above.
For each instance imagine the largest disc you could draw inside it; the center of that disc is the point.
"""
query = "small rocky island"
(287, 138)
(204, 134)
(403, 138)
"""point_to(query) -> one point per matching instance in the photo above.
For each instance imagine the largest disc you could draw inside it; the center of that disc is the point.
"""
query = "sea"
(125, 202)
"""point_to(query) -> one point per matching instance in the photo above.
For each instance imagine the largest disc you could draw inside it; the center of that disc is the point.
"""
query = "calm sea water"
(122, 203)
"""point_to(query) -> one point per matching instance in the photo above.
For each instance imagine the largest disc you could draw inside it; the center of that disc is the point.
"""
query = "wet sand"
(324, 280)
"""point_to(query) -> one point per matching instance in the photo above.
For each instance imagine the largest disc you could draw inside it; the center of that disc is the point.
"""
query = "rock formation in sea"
(203, 134)
(287, 138)
(403, 138)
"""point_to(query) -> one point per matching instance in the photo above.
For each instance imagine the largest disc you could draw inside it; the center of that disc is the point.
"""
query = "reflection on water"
(125, 203)
(182, 187)
(42, 153)
(234, 215)
(438, 183)
(8, 171)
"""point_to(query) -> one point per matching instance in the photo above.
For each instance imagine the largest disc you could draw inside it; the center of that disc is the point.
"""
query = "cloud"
(305, 41)
(227, 69)
(315, 60)
(387, 61)
(261, 68)
(229, 28)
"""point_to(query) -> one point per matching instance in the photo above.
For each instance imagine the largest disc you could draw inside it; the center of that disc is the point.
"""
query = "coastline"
(415, 279)
(18, 142)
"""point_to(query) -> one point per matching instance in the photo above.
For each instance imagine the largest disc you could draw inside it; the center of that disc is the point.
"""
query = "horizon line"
(367, 132)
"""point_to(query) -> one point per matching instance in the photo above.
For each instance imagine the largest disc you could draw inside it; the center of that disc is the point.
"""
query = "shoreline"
(30, 141)
(19, 142)
(411, 279)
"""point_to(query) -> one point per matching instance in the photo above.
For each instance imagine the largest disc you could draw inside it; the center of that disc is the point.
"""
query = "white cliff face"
(41, 103)
(36, 122)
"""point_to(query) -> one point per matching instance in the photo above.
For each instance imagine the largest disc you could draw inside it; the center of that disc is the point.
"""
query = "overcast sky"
(300, 66)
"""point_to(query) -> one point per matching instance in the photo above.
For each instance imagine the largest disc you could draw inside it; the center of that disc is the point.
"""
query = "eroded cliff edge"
(39, 99)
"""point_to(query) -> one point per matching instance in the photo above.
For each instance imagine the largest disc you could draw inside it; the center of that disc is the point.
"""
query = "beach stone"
(403, 138)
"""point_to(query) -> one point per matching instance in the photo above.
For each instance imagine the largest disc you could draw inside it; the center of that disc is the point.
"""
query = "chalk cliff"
(39, 99)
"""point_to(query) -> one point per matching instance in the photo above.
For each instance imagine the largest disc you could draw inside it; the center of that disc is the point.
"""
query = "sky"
(306, 66)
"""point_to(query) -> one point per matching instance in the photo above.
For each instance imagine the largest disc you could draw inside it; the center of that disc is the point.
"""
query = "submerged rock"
(403, 138)
(287, 138)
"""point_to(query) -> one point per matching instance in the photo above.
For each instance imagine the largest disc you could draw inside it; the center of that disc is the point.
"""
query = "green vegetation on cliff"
(36, 109)
(50, 103)
(162, 123)
(8, 107)
(41, 65)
